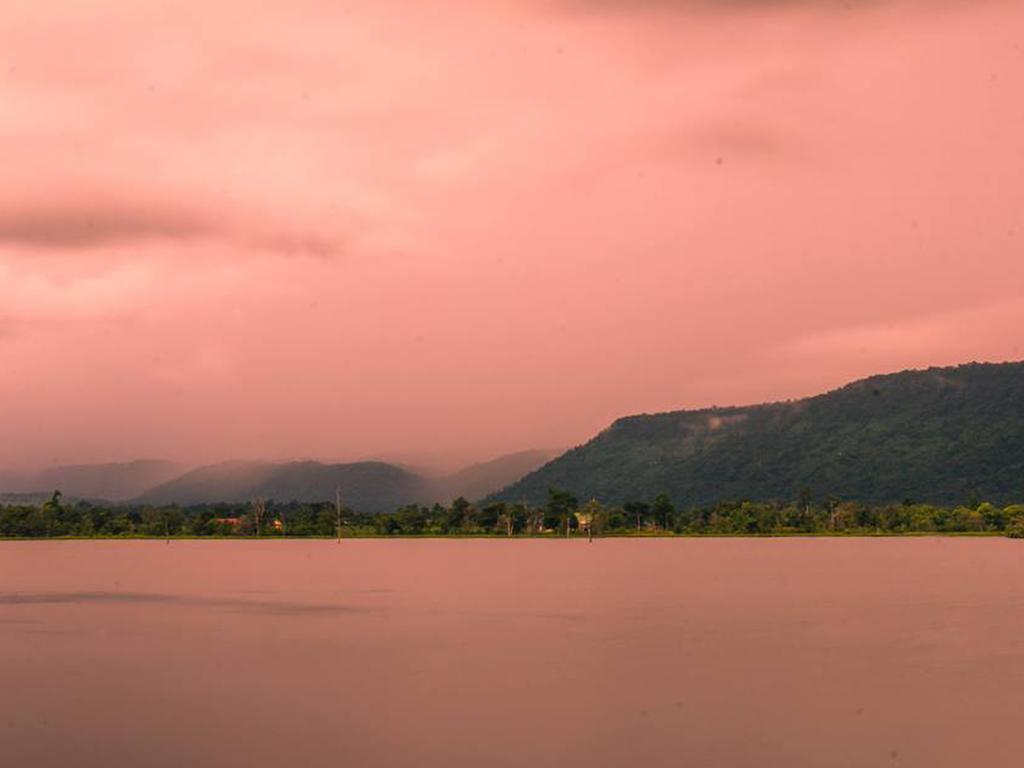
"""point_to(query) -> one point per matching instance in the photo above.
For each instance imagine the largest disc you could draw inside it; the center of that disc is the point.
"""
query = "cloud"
(292, 244)
(90, 223)
(747, 139)
(114, 229)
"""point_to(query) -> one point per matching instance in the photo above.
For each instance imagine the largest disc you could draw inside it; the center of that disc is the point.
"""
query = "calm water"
(729, 652)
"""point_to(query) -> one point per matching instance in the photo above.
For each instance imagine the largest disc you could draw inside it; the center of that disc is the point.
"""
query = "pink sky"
(459, 228)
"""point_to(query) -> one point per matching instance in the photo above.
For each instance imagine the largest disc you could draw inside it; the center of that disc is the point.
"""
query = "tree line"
(562, 515)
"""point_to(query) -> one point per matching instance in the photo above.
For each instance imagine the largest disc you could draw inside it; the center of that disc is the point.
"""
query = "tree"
(833, 501)
(803, 501)
(469, 514)
(410, 519)
(560, 506)
(534, 518)
(458, 516)
(259, 509)
(993, 517)
(337, 511)
(491, 517)
(504, 515)
(592, 516)
(638, 510)
(1015, 530)
(53, 504)
(663, 510)
(52, 511)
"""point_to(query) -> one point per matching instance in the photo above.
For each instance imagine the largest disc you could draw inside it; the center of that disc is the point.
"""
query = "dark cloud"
(91, 224)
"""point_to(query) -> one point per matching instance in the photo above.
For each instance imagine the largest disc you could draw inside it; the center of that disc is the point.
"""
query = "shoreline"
(536, 537)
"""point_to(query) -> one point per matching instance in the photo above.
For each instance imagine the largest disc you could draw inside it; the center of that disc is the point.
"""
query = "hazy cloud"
(300, 244)
(98, 223)
(726, 140)
(87, 224)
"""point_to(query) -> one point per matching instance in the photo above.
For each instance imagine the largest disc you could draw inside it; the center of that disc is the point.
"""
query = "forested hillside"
(942, 435)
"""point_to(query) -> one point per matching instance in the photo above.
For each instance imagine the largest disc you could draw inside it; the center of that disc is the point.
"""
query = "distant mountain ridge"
(116, 481)
(943, 435)
(371, 486)
(479, 480)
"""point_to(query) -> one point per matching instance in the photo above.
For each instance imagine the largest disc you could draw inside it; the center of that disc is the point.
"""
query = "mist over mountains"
(116, 481)
(370, 486)
(941, 435)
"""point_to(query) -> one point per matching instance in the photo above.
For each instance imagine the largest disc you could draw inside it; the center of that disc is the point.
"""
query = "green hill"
(369, 486)
(938, 435)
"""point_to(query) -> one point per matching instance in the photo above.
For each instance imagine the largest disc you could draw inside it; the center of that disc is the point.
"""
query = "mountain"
(938, 435)
(11, 481)
(479, 480)
(109, 482)
(368, 486)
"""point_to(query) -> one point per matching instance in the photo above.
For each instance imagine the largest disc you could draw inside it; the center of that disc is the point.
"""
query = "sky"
(460, 228)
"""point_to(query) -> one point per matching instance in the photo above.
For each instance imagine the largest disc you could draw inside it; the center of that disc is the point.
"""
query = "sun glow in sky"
(346, 229)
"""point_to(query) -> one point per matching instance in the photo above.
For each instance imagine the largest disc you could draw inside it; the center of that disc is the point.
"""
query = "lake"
(643, 652)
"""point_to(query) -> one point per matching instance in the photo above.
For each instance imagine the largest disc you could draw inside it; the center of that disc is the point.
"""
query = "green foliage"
(1016, 529)
(663, 511)
(559, 511)
(561, 515)
(593, 516)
